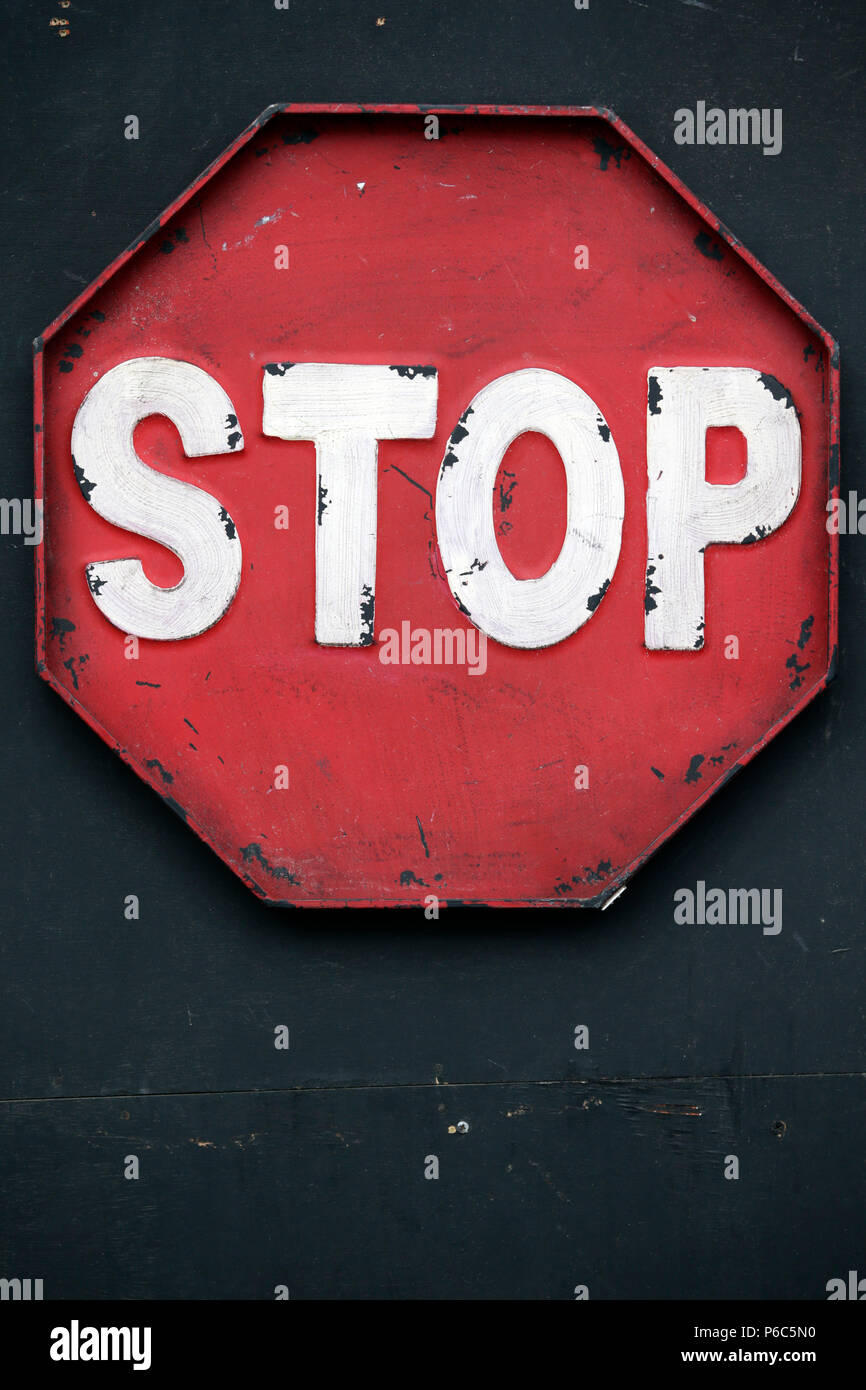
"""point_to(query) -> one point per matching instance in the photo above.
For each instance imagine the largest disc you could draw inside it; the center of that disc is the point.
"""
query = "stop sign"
(435, 505)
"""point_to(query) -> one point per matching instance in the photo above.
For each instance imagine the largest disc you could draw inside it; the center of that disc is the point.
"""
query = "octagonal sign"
(435, 505)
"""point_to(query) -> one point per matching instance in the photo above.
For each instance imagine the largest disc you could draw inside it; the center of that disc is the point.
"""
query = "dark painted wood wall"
(305, 1167)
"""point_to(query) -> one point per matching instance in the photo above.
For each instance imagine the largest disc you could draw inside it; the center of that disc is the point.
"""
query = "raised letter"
(185, 519)
(542, 611)
(345, 410)
(685, 513)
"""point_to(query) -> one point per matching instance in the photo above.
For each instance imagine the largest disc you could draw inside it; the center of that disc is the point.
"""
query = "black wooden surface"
(617, 1186)
(155, 1037)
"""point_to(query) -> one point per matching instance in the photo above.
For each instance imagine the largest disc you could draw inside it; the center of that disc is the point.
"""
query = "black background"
(155, 1037)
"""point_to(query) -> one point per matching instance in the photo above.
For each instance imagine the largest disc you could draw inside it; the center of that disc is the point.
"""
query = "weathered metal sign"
(435, 505)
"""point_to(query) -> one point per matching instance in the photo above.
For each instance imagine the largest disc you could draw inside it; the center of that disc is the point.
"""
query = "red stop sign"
(435, 505)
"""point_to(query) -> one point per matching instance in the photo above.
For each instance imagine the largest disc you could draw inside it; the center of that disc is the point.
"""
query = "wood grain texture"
(619, 1187)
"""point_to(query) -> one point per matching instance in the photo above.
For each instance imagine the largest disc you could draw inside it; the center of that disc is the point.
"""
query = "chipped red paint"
(546, 854)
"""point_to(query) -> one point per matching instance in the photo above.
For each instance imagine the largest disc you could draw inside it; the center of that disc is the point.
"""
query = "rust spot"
(672, 1108)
